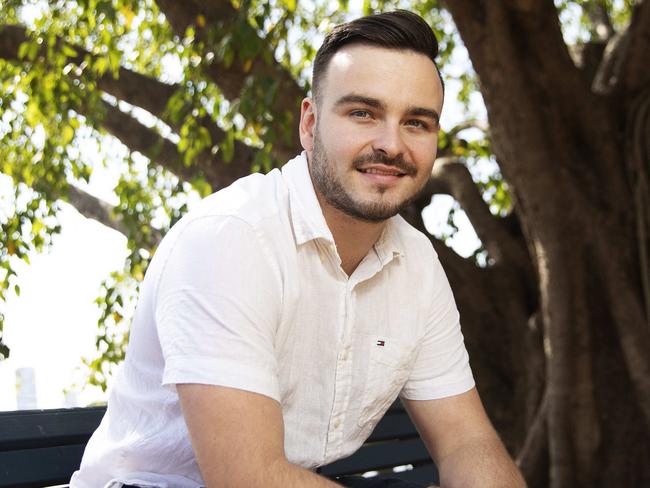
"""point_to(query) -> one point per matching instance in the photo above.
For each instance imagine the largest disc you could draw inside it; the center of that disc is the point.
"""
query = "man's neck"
(353, 237)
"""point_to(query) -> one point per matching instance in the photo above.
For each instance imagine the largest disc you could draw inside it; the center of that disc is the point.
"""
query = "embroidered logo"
(381, 343)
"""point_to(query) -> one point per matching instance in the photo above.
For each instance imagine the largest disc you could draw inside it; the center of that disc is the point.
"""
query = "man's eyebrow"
(349, 99)
(424, 112)
(375, 103)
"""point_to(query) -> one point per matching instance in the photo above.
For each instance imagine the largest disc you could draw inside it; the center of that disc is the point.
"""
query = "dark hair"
(393, 30)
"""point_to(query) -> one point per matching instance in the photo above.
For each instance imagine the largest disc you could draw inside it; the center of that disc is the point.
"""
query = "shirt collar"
(390, 245)
(306, 214)
(308, 220)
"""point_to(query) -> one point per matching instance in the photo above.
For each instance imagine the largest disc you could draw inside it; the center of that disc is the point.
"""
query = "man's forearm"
(272, 474)
(480, 464)
(283, 474)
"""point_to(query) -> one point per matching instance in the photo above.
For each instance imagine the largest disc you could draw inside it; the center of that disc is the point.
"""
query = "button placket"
(343, 380)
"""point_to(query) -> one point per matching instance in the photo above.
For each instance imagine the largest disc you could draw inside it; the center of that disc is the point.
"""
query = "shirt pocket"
(389, 365)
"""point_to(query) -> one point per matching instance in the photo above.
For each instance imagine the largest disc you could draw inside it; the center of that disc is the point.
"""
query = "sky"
(52, 324)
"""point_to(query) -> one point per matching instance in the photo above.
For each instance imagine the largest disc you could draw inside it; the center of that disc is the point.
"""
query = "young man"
(279, 320)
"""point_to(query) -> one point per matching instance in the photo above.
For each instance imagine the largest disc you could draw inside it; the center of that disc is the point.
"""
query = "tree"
(555, 307)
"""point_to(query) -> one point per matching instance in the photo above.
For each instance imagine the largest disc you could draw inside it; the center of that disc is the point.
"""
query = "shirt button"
(337, 423)
(345, 355)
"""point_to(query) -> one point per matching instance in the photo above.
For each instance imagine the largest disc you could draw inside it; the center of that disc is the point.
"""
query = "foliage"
(51, 93)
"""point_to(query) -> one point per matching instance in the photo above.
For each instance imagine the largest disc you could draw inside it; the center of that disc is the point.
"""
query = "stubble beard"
(329, 185)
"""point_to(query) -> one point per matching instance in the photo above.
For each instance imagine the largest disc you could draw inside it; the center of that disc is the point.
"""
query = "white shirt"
(247, 291)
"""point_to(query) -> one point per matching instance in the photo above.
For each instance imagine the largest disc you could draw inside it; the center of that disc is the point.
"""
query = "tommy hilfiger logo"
(381, 343)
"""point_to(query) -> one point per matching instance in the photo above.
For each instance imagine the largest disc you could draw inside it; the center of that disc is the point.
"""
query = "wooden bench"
(44, 447)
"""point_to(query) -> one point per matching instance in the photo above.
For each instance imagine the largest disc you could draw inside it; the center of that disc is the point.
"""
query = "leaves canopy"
(197, 100)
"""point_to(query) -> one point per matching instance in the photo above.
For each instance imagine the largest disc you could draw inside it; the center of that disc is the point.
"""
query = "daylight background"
(116, 116)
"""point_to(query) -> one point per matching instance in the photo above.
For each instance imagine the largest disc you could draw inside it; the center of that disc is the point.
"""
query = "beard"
(376, 208)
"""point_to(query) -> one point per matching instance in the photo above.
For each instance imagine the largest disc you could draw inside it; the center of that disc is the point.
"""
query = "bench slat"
(379, 456)
(39, 467)
(426, 473)
(41, 428)
(393, 426)
(44, 447)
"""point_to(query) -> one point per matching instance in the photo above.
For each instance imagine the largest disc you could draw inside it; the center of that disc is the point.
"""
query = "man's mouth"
(383, 172)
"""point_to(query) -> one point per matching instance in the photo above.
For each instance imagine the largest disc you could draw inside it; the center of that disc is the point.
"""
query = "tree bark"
(568, 175)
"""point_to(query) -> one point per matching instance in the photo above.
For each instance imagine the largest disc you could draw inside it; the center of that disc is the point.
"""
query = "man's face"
(371, 140)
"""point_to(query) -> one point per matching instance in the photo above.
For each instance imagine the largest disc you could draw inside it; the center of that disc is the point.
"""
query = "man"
(279, 320)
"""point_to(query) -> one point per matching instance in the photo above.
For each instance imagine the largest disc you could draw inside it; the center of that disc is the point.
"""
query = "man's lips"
(381, 170)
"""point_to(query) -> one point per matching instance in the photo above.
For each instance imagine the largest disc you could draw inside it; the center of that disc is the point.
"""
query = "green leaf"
(67, 134)
(23, 49)
(68, 51)
(100, 65)
(32, 51)
(228, 146)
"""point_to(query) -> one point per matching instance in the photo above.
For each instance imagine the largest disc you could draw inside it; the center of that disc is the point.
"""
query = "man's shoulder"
(254, 205)
(252, 198)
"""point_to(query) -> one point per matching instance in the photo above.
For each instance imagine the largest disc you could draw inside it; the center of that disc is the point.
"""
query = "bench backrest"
(44, 447)
(393, 449)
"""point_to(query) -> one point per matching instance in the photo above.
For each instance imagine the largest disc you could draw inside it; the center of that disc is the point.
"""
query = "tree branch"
(162, 151)
(457, 266)
(529, 83)
(134, 88)
(629, 317)
(637, 68)
(608, 74)
(452, 177)
(11, 36)
(232, 78)
(598, 15)
(151, 95)
(529, 459)
(94, 208)
(129, 86)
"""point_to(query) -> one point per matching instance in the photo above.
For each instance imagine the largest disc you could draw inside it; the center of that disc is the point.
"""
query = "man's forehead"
(382, 73)
(364, 55)
(342, 60)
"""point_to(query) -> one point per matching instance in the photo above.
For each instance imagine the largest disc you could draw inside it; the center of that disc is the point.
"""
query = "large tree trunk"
(561, 148)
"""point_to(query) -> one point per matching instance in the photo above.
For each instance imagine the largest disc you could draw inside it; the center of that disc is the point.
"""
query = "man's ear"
(307, 124)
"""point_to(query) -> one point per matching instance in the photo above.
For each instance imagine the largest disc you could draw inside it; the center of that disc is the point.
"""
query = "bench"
(44, 447)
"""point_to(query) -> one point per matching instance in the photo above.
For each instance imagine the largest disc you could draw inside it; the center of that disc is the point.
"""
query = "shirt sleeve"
(441, 368)
(217, 307)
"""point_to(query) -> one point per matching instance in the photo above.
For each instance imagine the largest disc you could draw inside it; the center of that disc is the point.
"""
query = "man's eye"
(416, 123)
(360, 114)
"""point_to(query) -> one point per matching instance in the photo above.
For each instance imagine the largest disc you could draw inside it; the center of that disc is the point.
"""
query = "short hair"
(400, 30)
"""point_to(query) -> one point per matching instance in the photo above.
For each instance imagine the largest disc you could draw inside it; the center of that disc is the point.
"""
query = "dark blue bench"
(44, 447)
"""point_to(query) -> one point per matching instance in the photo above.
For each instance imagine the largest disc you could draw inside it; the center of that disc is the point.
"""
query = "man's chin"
(373, 212)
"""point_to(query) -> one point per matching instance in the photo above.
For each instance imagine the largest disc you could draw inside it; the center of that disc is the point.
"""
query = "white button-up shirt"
(247, 291)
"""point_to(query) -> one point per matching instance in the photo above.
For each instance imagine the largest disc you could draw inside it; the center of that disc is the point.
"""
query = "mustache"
(397, 162)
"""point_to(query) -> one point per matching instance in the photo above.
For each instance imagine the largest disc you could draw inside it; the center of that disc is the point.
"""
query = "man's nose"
(389, 140)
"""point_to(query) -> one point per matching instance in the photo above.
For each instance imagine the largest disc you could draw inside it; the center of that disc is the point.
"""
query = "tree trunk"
(561, 148)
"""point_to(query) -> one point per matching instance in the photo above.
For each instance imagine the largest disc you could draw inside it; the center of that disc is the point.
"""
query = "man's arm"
(463, 443)
(238, 439)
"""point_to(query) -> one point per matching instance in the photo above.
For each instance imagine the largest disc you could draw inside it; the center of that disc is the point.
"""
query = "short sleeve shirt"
(247, 291)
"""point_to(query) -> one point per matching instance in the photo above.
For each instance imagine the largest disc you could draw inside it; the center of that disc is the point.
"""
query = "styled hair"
(400, 30)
